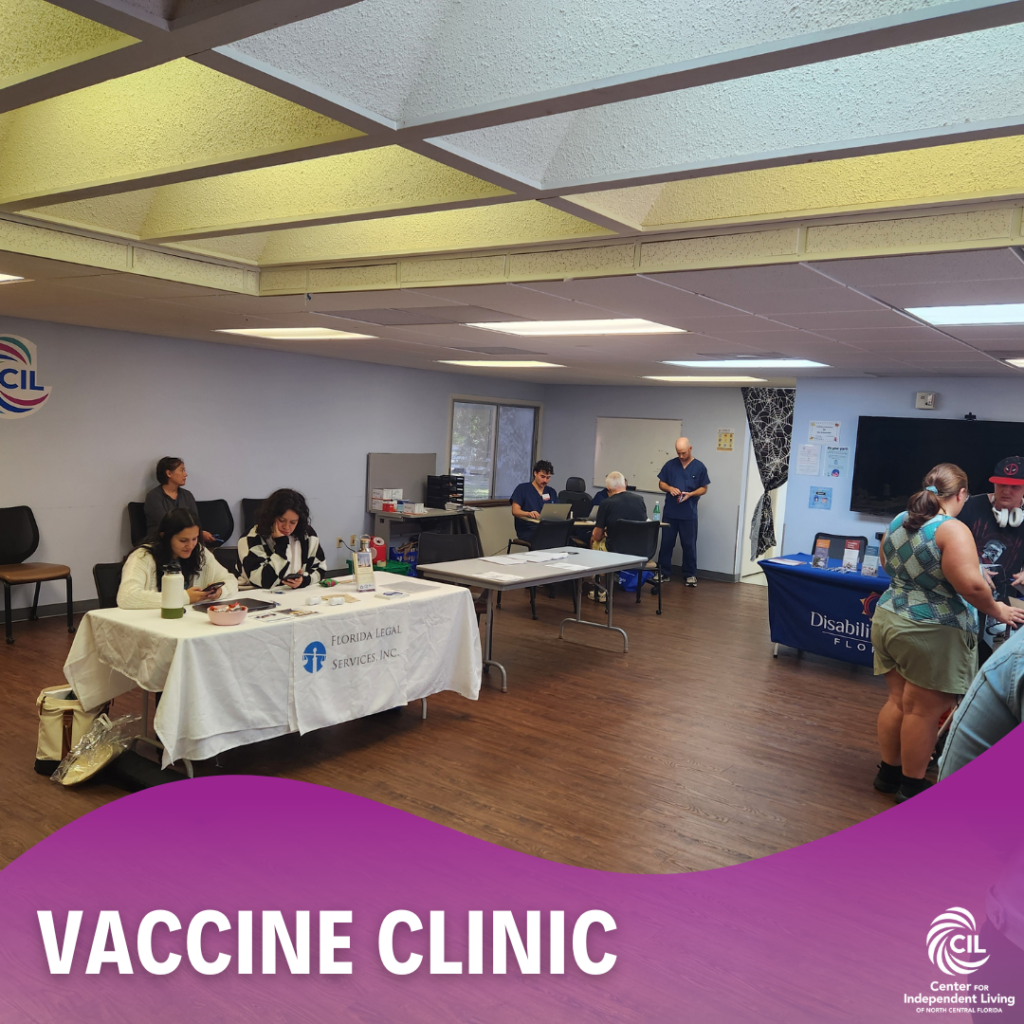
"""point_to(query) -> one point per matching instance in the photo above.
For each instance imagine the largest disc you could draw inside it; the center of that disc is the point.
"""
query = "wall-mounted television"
(894, 453)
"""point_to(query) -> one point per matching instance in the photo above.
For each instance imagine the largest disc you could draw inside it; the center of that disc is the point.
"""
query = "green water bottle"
(657, 512)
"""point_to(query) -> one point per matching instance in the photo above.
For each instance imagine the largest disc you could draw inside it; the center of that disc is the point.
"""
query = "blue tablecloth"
(822, 611)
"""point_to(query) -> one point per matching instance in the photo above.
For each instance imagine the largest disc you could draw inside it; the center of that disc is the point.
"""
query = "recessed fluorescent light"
(999, 313)
(745, 364)
(9, 278)
(1018, 362)
(576, 328)
(294, 333)
(711, 380)
(504, 364)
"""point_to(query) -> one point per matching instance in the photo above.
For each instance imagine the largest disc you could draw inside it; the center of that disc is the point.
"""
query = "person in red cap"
(997, 522)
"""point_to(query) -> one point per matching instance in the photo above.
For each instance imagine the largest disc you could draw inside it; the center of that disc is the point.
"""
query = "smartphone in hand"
(291, 576)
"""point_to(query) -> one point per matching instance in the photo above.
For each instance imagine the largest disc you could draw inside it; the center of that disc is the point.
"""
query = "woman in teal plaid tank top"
(925, 627)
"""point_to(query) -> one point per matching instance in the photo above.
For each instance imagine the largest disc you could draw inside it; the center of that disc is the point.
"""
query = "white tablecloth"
(228, 685)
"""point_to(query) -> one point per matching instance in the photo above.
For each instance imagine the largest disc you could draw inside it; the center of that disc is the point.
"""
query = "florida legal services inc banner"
(245, 899)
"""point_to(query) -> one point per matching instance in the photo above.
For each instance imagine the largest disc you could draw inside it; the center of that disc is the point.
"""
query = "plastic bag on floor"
(627, 579)
(105, 741)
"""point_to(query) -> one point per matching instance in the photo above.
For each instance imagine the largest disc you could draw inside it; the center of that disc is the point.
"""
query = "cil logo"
(313, 657)
(20, 394)
(953, 935)
(868, 603)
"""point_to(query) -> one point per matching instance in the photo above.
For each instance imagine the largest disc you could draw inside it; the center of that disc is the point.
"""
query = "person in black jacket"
(282, 547)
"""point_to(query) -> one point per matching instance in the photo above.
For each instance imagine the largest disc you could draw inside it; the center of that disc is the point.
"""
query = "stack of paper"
(500, 577)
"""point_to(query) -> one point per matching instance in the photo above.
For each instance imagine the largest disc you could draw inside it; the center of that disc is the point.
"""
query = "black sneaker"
(888, 778)
(911, 787)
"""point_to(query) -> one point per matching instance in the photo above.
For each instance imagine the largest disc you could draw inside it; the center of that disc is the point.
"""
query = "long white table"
(576, 564)
(224, 686)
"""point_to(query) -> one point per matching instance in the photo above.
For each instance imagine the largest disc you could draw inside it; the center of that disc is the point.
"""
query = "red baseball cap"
(1008, 471)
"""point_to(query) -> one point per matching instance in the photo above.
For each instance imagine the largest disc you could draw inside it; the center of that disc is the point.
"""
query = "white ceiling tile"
(954, 267)
(828, 323)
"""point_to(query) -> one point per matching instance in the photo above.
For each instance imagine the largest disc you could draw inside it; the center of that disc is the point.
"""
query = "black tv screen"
(894, 453)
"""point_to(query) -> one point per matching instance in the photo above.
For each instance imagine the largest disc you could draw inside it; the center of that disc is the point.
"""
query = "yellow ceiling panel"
(177, 116)
(349, 185)
(991, 168)
(522, 223)
(36, 38)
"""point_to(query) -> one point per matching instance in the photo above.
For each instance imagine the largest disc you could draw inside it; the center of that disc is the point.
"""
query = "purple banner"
(252, 899)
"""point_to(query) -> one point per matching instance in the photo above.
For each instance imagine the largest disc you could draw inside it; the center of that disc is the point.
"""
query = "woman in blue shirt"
(528, 499)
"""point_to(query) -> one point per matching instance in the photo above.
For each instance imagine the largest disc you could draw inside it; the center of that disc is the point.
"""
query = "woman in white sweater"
(176, 539)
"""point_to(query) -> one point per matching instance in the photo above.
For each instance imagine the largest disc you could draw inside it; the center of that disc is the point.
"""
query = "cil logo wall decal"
(20, 392)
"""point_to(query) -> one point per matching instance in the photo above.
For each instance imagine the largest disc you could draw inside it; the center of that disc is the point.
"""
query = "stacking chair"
(107, 576)
(551, 533)
(452, 547)
(250, 513)
(19, 538)
(137, 522)
(228, 557)
(215, 517)
(638, 537)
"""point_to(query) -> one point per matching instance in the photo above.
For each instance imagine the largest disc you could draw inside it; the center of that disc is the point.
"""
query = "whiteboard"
(637, 448)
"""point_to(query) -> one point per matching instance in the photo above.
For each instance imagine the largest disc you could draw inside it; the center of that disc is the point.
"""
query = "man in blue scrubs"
(683, 479)
(528, 500)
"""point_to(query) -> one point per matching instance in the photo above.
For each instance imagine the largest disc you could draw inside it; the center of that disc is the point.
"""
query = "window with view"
(492, 446)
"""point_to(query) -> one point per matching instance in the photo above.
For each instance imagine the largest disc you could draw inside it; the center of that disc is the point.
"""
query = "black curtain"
(770, 415)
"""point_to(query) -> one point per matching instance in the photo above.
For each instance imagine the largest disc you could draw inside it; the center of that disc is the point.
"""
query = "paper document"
(500, 577)
(503, 559)
(785, 561)
(561, 566)
(540, 556)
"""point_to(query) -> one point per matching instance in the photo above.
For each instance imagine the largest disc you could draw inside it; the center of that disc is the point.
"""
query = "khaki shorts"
(927, 654)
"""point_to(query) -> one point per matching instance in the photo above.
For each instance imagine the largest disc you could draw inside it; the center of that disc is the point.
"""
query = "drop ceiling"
(399, 168)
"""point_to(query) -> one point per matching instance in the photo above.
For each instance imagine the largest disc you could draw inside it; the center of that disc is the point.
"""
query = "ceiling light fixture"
(576, 328)
(294, 333)
(710, 380)
(10, 278)
(505, 364)
(1016, 361)
(963, 316)
(745, 364)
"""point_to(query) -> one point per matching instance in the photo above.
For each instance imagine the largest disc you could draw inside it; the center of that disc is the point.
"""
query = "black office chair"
(137, 522)
(452, 547)
(228, 557)
(19, 538)
(107, 576)
(215, 517)
(575, 494)
(550, 533)
(638, 537)
(250, 513)
(837, 545)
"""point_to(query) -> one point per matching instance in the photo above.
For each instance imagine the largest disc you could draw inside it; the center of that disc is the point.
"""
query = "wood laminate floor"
(695, 750)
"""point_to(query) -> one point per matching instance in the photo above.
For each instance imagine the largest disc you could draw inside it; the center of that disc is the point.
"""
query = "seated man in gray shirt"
(620, 504)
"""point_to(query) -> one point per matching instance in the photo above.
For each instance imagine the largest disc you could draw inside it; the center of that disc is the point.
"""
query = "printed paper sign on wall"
(21, 394)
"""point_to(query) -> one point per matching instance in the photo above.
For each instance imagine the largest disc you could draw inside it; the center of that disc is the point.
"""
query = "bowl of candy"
(227, 614)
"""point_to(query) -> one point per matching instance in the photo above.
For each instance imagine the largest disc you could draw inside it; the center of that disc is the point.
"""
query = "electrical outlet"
(353, 541)
(341, 541)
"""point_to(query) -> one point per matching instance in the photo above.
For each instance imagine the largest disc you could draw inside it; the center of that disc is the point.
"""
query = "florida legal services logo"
(20, 395)
(952, 935)
(313, 657)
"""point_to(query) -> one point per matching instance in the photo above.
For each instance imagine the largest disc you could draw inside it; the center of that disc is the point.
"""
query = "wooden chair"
(19, 538)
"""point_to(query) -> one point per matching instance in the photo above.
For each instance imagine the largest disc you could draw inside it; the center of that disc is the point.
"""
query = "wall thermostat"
(925, 400)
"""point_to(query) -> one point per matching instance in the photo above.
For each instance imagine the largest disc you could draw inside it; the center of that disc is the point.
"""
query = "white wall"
(570, 434)
(246, 421)
(845, 401)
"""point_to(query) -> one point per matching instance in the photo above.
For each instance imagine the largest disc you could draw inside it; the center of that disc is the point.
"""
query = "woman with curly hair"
(282, 547)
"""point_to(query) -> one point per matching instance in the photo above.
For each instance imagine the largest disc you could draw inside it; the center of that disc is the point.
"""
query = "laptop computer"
(556, 511)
